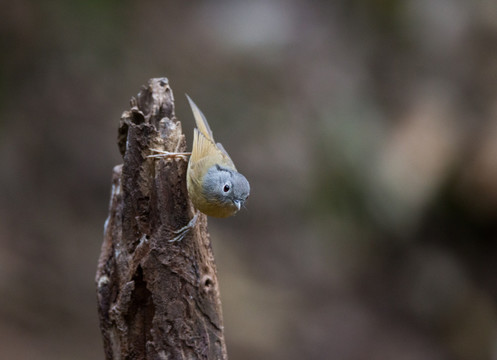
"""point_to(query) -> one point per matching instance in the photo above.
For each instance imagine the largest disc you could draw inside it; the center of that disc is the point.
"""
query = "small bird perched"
(214, 185)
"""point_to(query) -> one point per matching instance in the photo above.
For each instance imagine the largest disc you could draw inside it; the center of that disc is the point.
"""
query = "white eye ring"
(226, 187)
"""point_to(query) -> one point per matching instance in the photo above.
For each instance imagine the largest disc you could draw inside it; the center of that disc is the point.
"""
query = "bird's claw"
(181, 233)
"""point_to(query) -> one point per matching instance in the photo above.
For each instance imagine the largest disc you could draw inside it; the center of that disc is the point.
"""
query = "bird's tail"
(201, 121)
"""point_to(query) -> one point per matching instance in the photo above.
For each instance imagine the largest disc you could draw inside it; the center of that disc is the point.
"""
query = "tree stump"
(156, 299)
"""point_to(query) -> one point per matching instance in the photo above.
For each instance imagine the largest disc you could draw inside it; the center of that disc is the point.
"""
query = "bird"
(214, 185)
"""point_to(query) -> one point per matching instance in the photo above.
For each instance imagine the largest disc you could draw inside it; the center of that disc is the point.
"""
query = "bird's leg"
(162, 153)
(180, 233)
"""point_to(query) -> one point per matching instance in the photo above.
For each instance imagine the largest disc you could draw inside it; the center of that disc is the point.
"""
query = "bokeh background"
(368, 130)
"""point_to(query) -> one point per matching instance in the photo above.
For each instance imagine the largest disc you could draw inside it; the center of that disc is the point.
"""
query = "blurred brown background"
(368, 130)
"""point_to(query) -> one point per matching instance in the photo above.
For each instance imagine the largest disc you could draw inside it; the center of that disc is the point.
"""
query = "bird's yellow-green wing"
(206, 154)
(225, 153)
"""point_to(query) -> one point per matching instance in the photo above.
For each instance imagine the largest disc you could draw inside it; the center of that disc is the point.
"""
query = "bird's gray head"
(226, 188)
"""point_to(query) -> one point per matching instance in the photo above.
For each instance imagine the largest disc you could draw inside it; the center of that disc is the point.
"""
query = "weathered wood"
(156, 299)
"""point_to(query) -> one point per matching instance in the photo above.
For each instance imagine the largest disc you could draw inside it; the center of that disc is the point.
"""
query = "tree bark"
(156, 299)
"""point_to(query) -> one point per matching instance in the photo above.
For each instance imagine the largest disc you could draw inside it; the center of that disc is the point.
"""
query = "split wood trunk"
(156, 299)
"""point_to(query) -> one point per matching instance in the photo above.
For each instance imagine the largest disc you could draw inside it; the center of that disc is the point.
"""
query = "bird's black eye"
(226, 187)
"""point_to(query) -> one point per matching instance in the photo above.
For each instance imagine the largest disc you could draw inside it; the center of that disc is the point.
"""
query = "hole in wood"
(207, 283)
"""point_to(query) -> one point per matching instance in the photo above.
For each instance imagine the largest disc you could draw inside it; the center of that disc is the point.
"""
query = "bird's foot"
(181, 233)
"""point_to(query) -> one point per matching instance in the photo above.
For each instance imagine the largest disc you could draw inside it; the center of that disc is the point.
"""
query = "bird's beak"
(238, 204)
